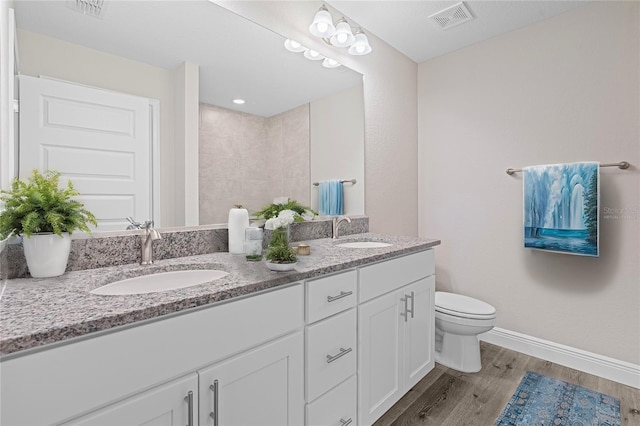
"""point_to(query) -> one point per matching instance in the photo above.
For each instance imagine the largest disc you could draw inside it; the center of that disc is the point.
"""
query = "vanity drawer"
(331, 353)
(330, 295)
(383, 277)
(337, 407)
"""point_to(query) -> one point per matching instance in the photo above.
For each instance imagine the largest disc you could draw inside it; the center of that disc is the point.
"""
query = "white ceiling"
(406, 26)
(237, 58)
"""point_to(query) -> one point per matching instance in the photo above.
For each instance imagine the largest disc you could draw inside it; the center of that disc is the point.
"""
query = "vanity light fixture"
(322, 25)
(313, 55)
(239, 101)
(339, 35)
(361, 44)
(330, 63)
(294, 46)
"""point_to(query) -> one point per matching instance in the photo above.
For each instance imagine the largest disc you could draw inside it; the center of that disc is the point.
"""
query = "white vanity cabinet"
(171, 404)
(339, 350)
(262, 387)
(395, 331)
(129, 374)
(331, 350)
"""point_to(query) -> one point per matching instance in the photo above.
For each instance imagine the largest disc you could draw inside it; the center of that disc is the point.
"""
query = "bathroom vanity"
(338, 341)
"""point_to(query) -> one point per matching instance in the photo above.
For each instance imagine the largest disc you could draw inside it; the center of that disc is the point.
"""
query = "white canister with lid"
(238, 222)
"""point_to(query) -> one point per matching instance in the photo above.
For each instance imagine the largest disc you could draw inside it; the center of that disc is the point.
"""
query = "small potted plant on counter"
(280, 256)
(44, 215)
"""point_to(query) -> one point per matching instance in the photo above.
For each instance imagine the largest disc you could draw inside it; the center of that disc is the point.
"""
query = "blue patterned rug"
(541, 400)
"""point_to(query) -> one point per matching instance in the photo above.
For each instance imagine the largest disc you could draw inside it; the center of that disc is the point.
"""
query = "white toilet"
(459, 320)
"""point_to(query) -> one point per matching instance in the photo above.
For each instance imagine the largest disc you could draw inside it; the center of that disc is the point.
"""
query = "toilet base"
(461, 353)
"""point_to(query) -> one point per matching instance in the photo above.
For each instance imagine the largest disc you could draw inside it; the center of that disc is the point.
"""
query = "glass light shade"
(293, 46)
(322, 25)
(343, 37)
(360, 46)
(313, 55)
(330, 63)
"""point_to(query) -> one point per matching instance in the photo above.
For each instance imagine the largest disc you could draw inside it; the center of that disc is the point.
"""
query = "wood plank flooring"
(446, 397)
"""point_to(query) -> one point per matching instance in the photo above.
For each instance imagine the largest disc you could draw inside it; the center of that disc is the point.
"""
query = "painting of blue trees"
(561, 208)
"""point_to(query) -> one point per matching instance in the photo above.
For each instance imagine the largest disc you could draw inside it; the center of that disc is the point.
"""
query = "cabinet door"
(379, 381)
(261, 387)
(419, 333)
(165, 405)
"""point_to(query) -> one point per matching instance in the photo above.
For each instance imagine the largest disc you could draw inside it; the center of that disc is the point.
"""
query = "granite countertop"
(37, 312)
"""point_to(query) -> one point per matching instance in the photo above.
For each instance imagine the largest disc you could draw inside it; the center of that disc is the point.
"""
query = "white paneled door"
(99, 139)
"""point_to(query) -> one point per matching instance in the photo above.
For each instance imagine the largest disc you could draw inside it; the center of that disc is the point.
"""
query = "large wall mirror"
(300, 123)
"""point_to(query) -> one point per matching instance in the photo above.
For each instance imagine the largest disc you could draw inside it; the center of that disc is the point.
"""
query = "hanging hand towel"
(561, 208)
(330, 197)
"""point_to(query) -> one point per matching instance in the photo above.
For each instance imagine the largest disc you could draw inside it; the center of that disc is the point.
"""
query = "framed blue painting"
(562, 208)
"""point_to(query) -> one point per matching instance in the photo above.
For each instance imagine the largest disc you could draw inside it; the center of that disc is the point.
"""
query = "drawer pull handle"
(405, 314)
(412, 303)
(189, 400)
(340, 296)
(344, 422)
(214, 413)
(342, 353)
(405, 299)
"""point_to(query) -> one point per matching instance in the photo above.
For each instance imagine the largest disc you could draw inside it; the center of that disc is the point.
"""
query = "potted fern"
(44, 215)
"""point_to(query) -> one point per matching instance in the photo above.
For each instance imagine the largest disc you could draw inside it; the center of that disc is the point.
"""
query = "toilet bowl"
(459, 321)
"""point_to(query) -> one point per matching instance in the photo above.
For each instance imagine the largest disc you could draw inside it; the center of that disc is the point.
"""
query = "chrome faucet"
(149, 235)
(336, 223)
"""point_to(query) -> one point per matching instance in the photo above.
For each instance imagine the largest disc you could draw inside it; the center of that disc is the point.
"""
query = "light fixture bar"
(339, 35)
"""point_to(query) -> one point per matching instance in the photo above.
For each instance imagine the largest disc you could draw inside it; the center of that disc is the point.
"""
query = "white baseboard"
(598, 365)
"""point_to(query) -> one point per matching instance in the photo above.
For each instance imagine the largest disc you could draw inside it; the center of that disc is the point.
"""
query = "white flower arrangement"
(284, 218)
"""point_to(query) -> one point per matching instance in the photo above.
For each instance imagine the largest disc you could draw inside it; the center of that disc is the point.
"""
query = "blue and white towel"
(330, 197)
(561, 208)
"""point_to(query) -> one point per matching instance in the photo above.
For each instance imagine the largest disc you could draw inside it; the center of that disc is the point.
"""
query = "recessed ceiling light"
(238, 101)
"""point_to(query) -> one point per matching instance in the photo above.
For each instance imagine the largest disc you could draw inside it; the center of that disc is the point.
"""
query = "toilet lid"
(457, 304)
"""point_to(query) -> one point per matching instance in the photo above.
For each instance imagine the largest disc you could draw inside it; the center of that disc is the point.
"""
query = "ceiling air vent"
(87, 7)
(452, 16)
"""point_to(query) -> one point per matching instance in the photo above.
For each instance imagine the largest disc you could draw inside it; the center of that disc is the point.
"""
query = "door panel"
(262, 387)
(380, 365)
(97, 138)
(419, 333)
(161, 406)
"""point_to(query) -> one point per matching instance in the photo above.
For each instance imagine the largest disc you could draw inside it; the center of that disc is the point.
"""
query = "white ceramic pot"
(281, 267)
(46, 254)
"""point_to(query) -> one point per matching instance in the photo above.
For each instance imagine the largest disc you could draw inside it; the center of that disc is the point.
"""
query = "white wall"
(563, 90)
(6, 83)
(337, 145)
(42, 55)
(185, 150)
(390, 102)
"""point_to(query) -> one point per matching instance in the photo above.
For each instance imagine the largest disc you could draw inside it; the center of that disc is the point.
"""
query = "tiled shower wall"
(249, 160)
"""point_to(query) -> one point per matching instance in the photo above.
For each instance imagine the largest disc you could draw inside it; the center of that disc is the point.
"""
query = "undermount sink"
(363, 244)
(161, 281)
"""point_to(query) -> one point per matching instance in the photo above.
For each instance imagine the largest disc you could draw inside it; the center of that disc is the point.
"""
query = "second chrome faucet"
(336, 223)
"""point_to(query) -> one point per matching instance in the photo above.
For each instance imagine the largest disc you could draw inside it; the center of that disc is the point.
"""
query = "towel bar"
(621, 165)
(353, 181)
